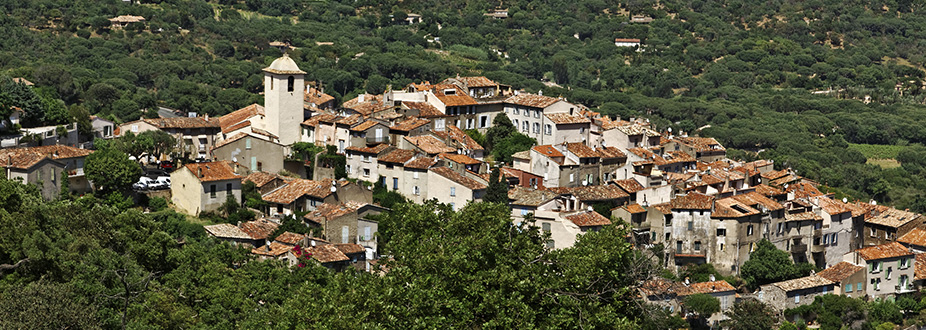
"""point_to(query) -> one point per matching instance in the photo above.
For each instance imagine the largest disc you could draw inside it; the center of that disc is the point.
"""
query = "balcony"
(817, 248)
(798, 248)
(377, 140)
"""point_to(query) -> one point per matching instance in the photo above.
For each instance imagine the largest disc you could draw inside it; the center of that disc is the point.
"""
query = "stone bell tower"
(284, 96)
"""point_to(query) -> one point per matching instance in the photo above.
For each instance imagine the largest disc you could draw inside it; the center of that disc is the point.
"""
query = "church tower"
(284, 96)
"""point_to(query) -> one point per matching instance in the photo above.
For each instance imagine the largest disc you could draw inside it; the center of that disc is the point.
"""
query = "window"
(722, 246)
(848, 287)
(780, 227)
(548, 129)
(550, 244)
(537, 128)
(470, 123)
(290, 84)
(260, 166)
(228, 187)
(797, 298)
(395, 183)
(416, 191)
(690, 225)
(212, 191)
(678, 246)
(453, 191)
(668, 236)
(889, 272)
(515, 111)
(903, 263)
(749, 230)
(415, 174)
(527, 113)
(545, 226)
(366, 172)
(872, 232)
(697, 245)
(721, 232)
(525, 126)
(347, 167)
(483, 121)
(514, 123)
(826, 289)
(835, 235)
(247, 143)
(345, 231)
(366, 158)
(536, 113)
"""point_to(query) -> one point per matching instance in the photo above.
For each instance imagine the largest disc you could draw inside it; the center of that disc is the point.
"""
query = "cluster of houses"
(677, 191)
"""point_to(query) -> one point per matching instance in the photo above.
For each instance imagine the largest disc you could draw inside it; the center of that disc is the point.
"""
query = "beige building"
(450, 187)
(362, 162)
(284, 98)
(46, 166)
(252, 151)
(527, 113)
(848, 279)
(204, 187)
(195, 136)
(796, 292)
(890, 269)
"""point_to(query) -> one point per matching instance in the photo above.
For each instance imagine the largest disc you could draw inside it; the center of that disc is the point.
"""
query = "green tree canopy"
(111, 170)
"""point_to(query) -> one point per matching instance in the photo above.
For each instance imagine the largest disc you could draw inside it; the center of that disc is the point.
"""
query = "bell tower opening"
(290, 83)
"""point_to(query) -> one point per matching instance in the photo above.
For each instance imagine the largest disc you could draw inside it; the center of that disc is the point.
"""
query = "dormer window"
(450, 92)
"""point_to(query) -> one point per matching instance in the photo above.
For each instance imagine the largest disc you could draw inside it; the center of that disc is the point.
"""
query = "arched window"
(291, 81)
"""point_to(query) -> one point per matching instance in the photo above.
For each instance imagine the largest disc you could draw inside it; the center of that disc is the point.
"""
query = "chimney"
(199, 172)
(361, 98)
(206, 116)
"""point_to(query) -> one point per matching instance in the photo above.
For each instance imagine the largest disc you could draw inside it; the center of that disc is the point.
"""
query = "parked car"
(166, 165)
(165, 180)
(202, 160)
(144, 183)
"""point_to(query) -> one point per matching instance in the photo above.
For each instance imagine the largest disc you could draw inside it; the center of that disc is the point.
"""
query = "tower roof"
(284, 65)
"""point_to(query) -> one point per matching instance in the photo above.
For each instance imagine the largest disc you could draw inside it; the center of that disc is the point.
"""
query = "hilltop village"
(670, 189)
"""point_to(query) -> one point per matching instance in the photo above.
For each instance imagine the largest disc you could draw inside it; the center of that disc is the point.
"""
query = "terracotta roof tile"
(290, 238)
(425, 110)
(458, 98)
(240, 118)
(803, 190)
(884, 251)
(259, 229)
(313, 95)
(479, 81)
(375, 150)
(768, 191)
(326, 253)
(25, 158)
(611, 152)
(915, 236)
(429, 144)
(665, 208)
(331, 211)
(919, 267)
(273, 250)
(636, 129)
(634, 208)
(832, 207)
(350, 248)
(458, 158)
(660, 286)
(565, 118)
(530, 197)
(349, 120)
(371, 104)
(399, 156)
(365, 125)
(629, 185)
(212, 171)
(321, 118)
(531, 100)
(706, 287)
(802, 216)
(182, 122)
(581, 150)
(693, 201)
(421, 163)
(892, 217)
(548, 150)
(458, 138)
(588, 219)
(260, 178)
(297, 188)
(409, 124)
(840, 271)
(225, 230)
(731, 208)
(700, 144)
(754, 198)
(807, 282)
(594, 193)
(458, 178)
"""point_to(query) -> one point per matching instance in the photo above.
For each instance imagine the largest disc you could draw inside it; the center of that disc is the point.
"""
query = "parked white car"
(143, 183)
(162, 182)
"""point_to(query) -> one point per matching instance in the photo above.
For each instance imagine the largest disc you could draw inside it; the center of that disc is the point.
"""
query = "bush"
(156, 204)
(469, 52)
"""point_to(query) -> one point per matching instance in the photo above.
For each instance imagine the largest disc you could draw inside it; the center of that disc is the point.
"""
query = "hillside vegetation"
(749, 69)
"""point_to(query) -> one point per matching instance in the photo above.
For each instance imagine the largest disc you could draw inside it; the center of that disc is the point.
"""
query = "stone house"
(915, 240)
(425, 144)
(417, 178)
(612, 159)
(276, 251)
(450, 187)
(559, 128)
(232, 234)
(30, 165)
(391, 169)
(691, 229)
(885, 224)
(527, 113)
(265, 182)
(362, 162)
(848, 279)
(737, 229)
(204, 187)
(256, 153)
(347, 223)
(799, 232)
(195, 135)
(300, 195)
(796, 292)
(328, 256)
(838, 228)
(625, 135)
(369, 133)
(723, 291)
(462, 163)
(102, 128)
(321, 130)
(890, 268)
(316, 99)
(455, 137)
(703, 149)
(521, 178)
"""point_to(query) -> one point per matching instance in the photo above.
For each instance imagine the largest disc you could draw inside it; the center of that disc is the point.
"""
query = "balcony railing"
(798, 248)
(377, 140)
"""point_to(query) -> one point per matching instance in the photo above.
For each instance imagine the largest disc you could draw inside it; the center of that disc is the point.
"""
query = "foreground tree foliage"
(466, 269)
(767, 264)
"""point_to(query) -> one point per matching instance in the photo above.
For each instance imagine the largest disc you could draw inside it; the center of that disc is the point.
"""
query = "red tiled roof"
(626, 40)
(840, 271)
(588, 219)
(239, 118)
(706, 287)
(313, 95)
(349, 120)
(611, 152)
(212, 171)
(429, 144)
(290, 238)
(25, 158)
(182, 122)
(326, 253)
(410, 124)
(919, 267)
(297, 188)
(593, 193)
(731, 208)
(259, 229)
(421, 163)
(884, 251)
(693, 201)
(320, 118)
(399, 156)
(754, 198)
(479, 81)
(350, 248)
(425, 110)
(548, 150)
(370, 150)
(260, 178)
(459, 98)
(371, 104)
(330, 211)
(891, 217)
(458, 178)
(581, 150)
(565, 118)
(273, 250)
(531, 100)
(365, 125)
(700, 143)
(634, 208)
(769, 191)
(629, 185)
(455, 134)
(915, 236)
(461, 159)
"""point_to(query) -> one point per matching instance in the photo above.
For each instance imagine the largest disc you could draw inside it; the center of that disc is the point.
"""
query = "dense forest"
(798, 81)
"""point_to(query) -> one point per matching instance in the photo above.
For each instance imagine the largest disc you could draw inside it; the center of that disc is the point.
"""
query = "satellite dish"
(845, 200)
(670, 129)
(235, 159)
